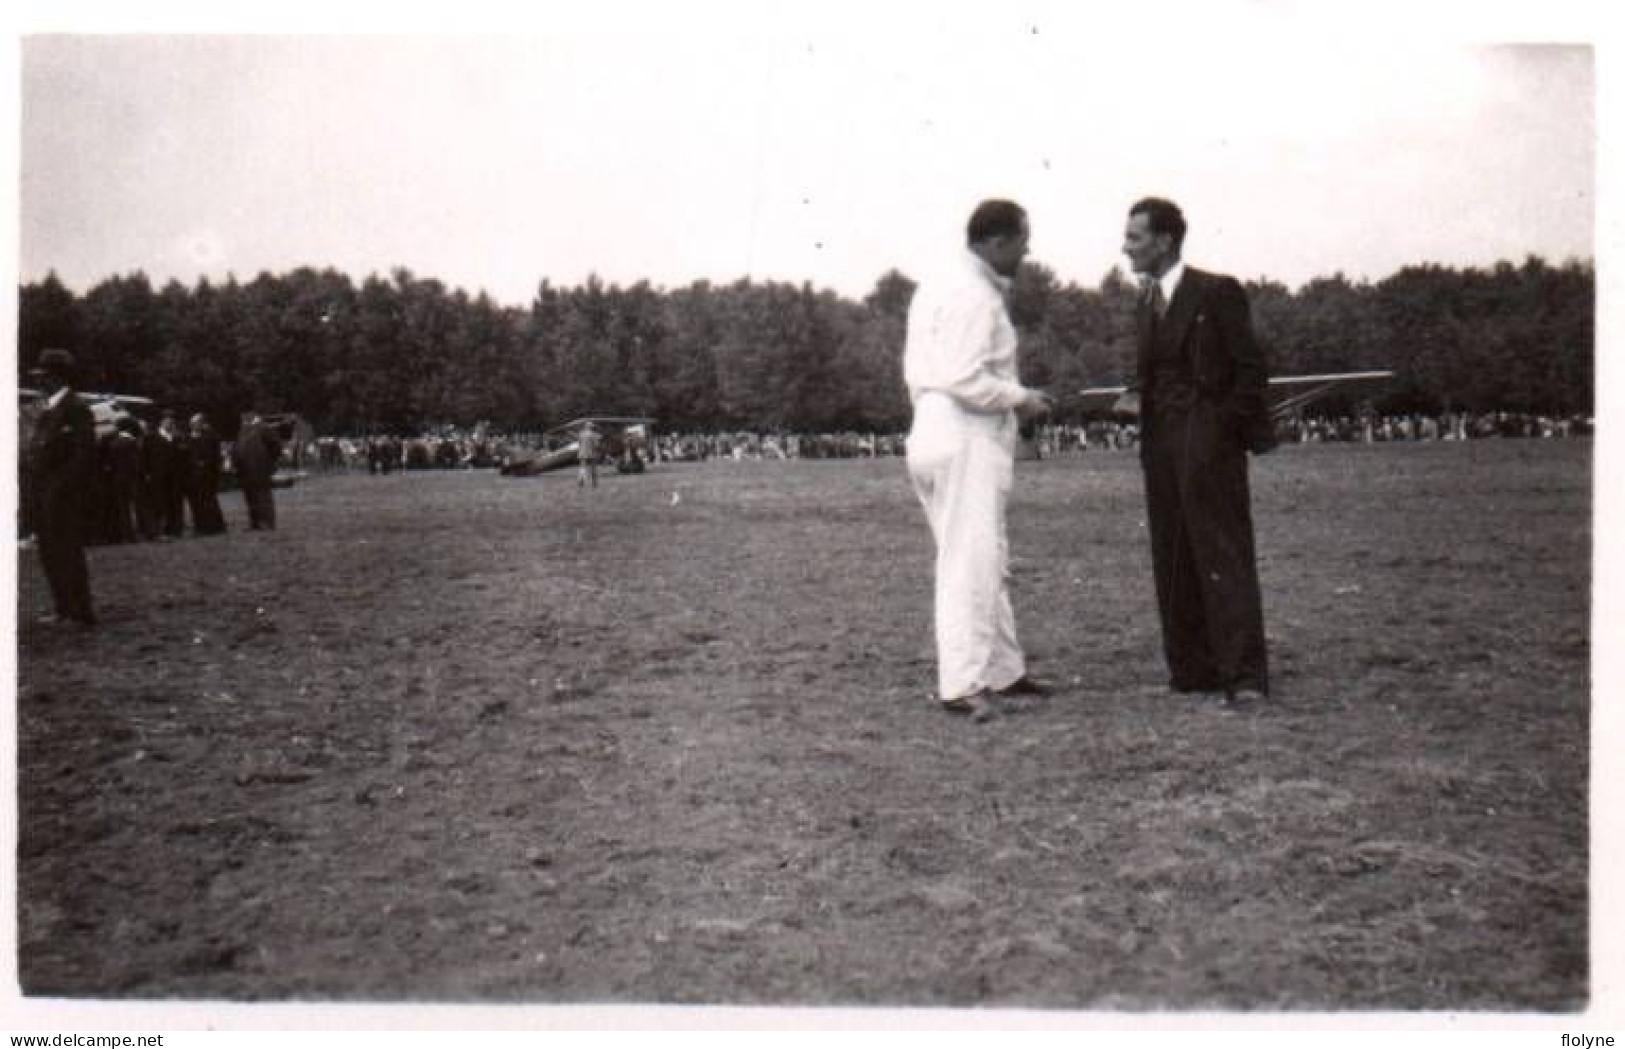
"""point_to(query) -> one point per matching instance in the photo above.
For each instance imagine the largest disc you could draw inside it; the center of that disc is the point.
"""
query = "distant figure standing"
(124, 475)
(62, 469)
(254, 455)
(172, 463)
(1200, 381)
(157, 480)
(587, 445)
(203, 478)
(960, 366)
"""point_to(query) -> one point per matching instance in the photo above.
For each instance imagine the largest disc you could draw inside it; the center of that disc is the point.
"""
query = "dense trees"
(404, 352)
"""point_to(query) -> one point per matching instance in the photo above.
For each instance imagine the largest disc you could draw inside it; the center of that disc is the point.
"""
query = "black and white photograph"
(1064, 515)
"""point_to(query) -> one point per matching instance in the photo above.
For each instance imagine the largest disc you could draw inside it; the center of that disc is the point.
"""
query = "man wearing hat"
(62, 461)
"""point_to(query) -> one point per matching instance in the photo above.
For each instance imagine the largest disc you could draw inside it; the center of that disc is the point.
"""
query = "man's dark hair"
(1163, 216)
(994, 218)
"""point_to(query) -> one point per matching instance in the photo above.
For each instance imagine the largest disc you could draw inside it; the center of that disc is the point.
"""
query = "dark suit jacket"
(203, 461)
(254, 455)
(1210, 323)
(62, 453)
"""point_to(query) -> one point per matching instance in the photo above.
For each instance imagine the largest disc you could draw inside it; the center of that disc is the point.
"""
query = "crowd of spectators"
(1070, 439)
(452, 448)
(1448, 426)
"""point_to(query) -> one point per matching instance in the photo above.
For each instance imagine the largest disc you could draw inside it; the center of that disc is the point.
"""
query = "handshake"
(1036, 402)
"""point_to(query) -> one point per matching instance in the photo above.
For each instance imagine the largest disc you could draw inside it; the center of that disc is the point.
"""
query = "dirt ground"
(459, 737)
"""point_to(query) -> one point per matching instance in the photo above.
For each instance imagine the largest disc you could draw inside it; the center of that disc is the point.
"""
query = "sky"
(830, 149)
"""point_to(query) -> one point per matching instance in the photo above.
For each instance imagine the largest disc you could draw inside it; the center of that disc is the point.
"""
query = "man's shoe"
(1027, 685)
(1245, 699)
(976, 705)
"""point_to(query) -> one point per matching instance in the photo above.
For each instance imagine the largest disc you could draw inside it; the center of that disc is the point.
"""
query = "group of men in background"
(147, 480)
(128, 483)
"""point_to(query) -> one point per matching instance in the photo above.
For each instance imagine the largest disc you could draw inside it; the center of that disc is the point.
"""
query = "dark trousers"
(261, 506)
(61, 546)
(173, 510)
(1202, 551)
(126, 517)
(149, 513)
(205, 507)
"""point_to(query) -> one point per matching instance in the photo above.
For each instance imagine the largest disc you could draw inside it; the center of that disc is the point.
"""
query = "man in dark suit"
(124, 478)
(203, 478)
(1199, 391)
(254, 455)
(158, 483)
(171, 460)
(62, 465)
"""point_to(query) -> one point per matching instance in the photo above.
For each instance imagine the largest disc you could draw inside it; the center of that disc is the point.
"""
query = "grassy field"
(459, 737)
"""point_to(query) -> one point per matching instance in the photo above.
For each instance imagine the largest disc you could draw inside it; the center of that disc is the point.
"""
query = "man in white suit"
(960, 367)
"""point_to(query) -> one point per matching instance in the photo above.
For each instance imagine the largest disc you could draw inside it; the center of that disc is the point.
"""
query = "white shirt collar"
(993, 276)
(1170, 280)
(56, 398)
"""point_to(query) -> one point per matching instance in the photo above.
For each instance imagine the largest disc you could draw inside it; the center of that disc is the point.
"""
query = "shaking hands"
(1037, 402)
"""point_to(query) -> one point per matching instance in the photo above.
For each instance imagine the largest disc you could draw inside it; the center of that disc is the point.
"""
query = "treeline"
(404, 353)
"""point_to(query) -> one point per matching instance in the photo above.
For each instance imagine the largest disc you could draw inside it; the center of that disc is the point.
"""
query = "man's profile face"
(1147, 252)
(1006, 252)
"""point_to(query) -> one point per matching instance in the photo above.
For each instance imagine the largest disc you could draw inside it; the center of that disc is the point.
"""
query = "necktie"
(1155, 298)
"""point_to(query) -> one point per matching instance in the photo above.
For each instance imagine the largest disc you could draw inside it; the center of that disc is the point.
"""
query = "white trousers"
(962, 464)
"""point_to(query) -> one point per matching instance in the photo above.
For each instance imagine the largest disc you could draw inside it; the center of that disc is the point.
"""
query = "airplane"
(622, 439)
(1288, 393)
(108, 409)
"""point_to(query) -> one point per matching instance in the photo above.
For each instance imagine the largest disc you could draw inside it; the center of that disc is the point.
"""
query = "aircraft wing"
(1095, 398)
(1291, 392)
(1287, 393)
(603, 422)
